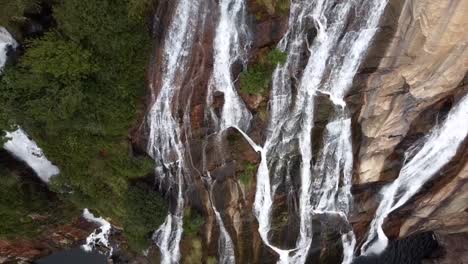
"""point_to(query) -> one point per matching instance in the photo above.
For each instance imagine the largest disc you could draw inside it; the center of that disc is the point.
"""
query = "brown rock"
(271, 31)
(53, 239)
(426, 60)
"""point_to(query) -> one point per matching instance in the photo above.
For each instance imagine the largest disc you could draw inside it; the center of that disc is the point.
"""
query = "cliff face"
(424, 63)
(419, 65)
(414, 72)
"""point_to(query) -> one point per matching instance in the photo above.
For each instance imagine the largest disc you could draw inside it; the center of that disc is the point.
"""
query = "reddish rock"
(197, 116)
(270, 31)
(55, 238)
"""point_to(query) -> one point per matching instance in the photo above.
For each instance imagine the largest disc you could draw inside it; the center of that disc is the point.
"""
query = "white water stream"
(164, 140)
(19, 144)
(6, 41)
(25, 149)
(335, 55)
(230, 46)
(100, 236)
(439, 148)
(226, 254)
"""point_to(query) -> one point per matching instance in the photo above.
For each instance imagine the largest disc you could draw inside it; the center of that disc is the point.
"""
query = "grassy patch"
(246, 177)
(195, 253)
(257, 78)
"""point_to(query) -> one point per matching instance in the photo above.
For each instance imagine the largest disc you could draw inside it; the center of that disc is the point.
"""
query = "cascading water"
(439, 148)
(164, 139)
(225, 245)
(330, 69)
(230, 46)
(25, 149)
(100, 236)
(19, 143)
(6, 41)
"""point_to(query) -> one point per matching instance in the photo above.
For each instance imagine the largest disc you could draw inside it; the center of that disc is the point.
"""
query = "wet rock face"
(425, 61)
(453, 249)
(411, 250)
(226, 158)
(415, 71)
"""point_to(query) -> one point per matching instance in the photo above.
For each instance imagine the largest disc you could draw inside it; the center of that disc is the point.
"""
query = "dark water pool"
(73, 256)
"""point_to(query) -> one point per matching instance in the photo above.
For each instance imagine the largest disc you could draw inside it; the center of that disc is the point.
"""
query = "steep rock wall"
(416, 70)
(425, 62)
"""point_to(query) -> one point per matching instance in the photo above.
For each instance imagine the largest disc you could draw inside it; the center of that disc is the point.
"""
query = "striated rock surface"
(416, 70)
(425, 62)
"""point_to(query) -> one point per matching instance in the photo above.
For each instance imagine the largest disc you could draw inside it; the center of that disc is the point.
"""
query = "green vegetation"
(192, 244)
(246, 177)
(140, 9)
(192, 222)
(195, 253)
(145, 209)
(257, 78)
(77, 90)
(25, 209)
(12, 12)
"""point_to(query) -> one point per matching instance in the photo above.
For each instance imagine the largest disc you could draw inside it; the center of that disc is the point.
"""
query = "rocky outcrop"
(414, 73)
(416, 70)
(425, 61)
(53, 239)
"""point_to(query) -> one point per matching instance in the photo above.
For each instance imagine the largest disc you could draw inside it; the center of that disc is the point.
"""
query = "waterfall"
(335, 55)
(439, 148)
(225, 245)
(100, 236)
(230, 46)
(164, 139)
(25, 149)
(6, 41)
(19, 144)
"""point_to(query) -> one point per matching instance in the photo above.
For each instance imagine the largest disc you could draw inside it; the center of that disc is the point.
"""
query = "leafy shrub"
(192, 222)
(12, 12)
(257, 78)
(20, 200)
(145, 212)
(276, 57)
(246, 177)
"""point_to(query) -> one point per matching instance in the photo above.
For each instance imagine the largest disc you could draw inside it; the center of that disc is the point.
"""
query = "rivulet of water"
(6, 41)
(439, 148)
(230, 46)
(343, 32)
(164, 139)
